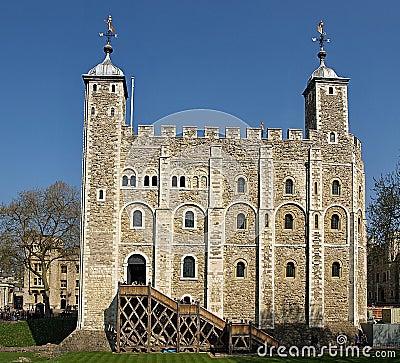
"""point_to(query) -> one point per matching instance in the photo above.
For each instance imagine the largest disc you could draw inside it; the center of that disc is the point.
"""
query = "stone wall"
(174, 175)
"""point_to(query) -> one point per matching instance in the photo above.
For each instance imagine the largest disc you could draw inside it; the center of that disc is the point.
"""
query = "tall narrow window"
(241, 185)
(112, 112)
(101, 195)
(188, 269)
(154, 181)
(146, 181)
(113, 88)
(133, 181)
(189, 219)
(137, 219)
(288, 221)
(94, 87)
(316, 221)
(289, 186)
(174, 181)
(330, 90)
(240, 269)
(335, 222)
(266, 220)
(336, 187)
(332, 137)
(336, 269)
(125, 181)
(241, 221)
(92, 111)
(182, 182)
(195, 183)
(290, 270)
(315, 188)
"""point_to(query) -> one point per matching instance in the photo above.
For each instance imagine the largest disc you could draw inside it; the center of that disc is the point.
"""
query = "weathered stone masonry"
(265, 229)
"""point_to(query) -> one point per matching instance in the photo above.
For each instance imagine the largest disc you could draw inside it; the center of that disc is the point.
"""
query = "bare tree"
(384, 210)
(41, 226)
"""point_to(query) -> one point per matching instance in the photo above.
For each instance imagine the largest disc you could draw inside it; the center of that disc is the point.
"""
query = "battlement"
(213, 132)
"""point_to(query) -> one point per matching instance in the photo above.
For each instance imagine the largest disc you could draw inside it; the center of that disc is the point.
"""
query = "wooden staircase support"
(149, 321)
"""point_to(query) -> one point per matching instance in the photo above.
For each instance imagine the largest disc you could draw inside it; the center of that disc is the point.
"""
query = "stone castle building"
(261, 228)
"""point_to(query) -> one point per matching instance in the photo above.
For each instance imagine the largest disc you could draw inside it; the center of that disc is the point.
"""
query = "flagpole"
(132, 93)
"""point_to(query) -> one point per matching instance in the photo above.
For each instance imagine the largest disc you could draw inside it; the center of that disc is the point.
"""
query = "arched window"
(133, 181)
(174, 181)
(137, 219)
(335, 222)
(241, 185)
(241, 221)
(288, 221)
(94, 87)
(92, 111)
(330, 90)
(332, 137)
(125, 181)
(112, 112)
(289, 186)
(290, 270)
(359, 225)
(182, 183)
(188, 269)
(266, 220)
(240, 269)
(195, 182)
(113, 88)
(189, 219)
(203, 182)
(336, 269)
(154, 181)
(146, 181)
(316, 224)
(336, 187)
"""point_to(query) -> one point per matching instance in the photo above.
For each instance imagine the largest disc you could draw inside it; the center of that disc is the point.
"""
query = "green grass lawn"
(35, 332)
(107, 357)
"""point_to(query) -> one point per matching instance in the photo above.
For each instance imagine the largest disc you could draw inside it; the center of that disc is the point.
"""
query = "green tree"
(40, 227)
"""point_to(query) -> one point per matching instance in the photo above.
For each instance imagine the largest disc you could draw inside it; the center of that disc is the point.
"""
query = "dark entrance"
(136, 270)
(63, 304)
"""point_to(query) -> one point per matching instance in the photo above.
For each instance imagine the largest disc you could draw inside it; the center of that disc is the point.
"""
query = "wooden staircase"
(149, 321)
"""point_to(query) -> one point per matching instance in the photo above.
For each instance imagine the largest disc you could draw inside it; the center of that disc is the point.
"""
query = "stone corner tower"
(104, 120)
(326, 106)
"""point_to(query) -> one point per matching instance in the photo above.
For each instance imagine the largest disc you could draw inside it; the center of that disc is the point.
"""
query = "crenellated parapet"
(214, 132)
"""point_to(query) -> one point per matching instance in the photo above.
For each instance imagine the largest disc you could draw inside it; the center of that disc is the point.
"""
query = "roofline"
(338, 80)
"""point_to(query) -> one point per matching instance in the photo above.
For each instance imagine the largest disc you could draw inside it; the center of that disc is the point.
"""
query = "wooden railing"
(149, 320)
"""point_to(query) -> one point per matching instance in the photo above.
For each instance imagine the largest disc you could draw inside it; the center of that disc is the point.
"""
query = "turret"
(326, 108)
(104, 119)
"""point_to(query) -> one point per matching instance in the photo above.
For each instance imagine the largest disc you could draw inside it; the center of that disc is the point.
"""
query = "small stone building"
(63, 278)
(383, 273)
(261, 227)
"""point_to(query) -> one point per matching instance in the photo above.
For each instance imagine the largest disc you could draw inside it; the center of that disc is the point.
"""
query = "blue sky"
(251, 59)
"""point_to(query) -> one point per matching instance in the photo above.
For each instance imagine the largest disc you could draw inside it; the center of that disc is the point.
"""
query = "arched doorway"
(136, 270)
